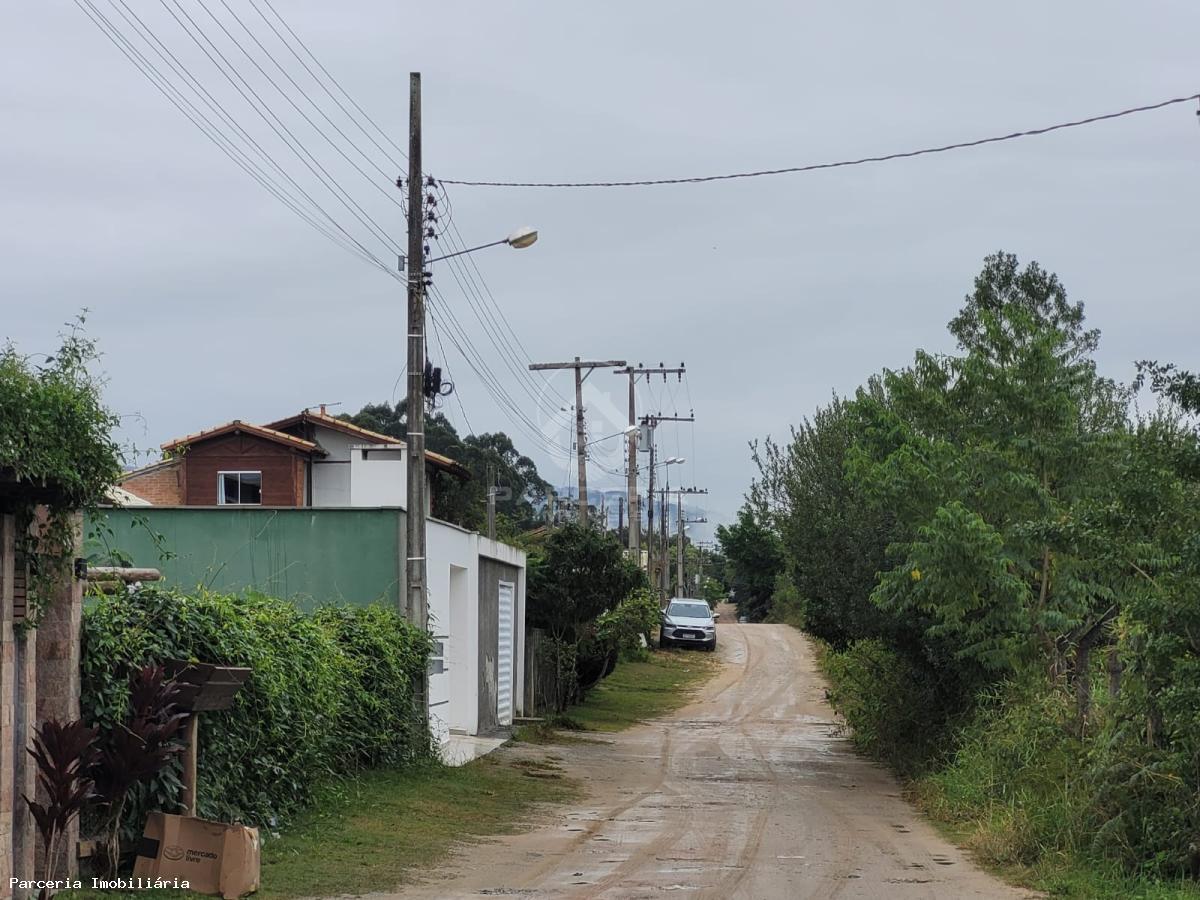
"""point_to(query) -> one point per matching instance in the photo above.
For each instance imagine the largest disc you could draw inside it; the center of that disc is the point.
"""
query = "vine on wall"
(57, 454)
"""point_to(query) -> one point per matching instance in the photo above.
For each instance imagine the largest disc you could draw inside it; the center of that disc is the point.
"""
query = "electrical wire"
(466, 272)
(277, 125)
(387, 178)
(861, 161)
(437, 335)
(439, 307)
(214, 133)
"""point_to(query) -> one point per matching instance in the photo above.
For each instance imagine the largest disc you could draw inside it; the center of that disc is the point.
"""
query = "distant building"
(309, 459)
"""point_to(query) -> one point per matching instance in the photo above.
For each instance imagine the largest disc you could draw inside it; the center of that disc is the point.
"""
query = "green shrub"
(787, 604)
(305, 713)
(630, 625)
(384, 658)
(1018, 776)
(898, 712)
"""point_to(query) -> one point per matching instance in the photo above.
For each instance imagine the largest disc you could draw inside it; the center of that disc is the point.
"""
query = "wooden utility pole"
(417, 608)
(580, 431)
(634, 501)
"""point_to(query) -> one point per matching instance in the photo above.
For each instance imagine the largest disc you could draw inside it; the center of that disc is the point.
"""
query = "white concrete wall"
(378, 477)
(452, 558)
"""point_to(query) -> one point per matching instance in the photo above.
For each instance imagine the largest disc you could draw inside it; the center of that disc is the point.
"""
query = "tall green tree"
(520, 488)
(754, 555)
(998, 451)
(575, 576)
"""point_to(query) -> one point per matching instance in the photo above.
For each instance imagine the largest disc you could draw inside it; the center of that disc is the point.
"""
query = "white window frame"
(238, 472)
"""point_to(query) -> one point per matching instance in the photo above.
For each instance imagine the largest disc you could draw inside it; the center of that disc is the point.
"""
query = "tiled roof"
(237, 425)
(159, 464)
(337, 425)
(328, 421)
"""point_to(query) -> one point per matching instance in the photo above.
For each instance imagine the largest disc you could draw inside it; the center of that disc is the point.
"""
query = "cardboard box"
(214, 858)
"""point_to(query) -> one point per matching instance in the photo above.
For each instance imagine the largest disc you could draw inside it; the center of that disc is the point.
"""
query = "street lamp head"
(630, 431)
(522, 238)
(678, 459)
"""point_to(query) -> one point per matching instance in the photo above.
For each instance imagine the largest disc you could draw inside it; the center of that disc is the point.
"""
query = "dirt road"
(748, 792)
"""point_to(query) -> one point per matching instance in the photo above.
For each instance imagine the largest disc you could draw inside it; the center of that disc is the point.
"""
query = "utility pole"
(659, 581)
(680, 578)
(417, 608)
(491, 501)
(620, 515)
(635, 513)
(580, 431)
(664, 571)
(680, 492)
(679, 552)
(650, 516)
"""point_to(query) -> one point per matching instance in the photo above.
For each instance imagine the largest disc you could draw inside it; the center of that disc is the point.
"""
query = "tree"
(832, 535)
(755, 556)
(578, 573)
(465, 504)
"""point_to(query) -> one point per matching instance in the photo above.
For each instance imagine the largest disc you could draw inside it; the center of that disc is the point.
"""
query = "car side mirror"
(716, 616)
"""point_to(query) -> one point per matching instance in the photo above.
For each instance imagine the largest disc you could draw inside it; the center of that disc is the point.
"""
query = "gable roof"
(325, 420)
(237, 426)
(328, 421)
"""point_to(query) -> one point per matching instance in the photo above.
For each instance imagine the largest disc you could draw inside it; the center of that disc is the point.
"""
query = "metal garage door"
(504, 655)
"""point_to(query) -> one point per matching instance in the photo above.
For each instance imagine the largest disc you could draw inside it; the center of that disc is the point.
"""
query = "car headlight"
(710, 628)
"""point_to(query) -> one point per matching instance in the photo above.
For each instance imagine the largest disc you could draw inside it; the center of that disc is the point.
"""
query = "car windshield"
(688, 610)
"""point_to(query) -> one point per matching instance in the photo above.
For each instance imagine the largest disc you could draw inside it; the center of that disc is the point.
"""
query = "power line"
(281, 130)
(214, 132)
(907, 154)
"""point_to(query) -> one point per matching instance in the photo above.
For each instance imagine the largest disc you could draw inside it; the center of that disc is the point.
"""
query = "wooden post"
(189, 764)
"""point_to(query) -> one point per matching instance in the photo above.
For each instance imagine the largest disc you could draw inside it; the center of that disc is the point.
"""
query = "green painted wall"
(312, 556)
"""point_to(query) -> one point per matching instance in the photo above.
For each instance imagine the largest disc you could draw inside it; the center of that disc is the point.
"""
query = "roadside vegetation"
(999, 548)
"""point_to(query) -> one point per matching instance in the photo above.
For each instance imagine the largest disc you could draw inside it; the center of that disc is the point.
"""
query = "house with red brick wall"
(308, 459)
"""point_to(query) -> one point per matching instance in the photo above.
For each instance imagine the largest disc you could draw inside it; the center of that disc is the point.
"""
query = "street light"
(624, 432)
(518, 240)
(671, 461)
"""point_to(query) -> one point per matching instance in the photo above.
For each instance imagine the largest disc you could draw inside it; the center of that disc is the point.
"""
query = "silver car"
(687, 621)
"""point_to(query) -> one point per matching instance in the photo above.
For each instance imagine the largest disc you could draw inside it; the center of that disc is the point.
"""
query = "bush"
(1017, 775)
(382, 651)
(898, 711)
(630, 626)
(308, 710)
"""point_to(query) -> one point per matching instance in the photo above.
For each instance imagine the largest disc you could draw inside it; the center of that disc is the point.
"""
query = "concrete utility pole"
(580, 431)
(666, 566)
(417, 609)
(680, 578)
(491, 501)
(650, 515)
(657, 580)
(634, 501)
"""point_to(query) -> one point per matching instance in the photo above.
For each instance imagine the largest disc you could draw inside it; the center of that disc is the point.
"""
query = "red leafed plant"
(139, 749)
(64, 753)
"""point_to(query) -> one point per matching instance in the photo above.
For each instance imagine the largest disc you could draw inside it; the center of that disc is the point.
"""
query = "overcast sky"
(213, 301)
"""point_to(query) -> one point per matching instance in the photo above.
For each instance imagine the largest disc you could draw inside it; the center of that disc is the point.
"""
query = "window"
(688, 610)
(239, 488)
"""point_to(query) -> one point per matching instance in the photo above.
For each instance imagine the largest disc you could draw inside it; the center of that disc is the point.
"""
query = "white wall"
(378, 477)
(452, 558)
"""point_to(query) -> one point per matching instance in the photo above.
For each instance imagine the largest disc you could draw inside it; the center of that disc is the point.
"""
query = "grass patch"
(644, 689)
(382, 829)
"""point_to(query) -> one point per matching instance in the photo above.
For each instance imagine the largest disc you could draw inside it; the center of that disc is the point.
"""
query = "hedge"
(330, 693)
